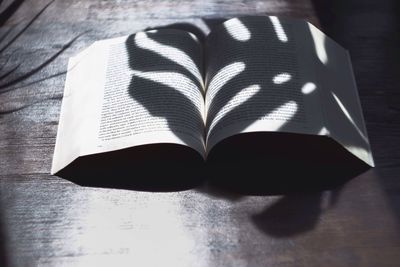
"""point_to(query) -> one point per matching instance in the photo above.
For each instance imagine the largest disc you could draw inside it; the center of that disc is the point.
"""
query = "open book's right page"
(266, 74)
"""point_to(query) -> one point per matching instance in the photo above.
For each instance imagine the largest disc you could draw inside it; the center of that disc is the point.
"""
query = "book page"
(255, 79)
(141, 89)
(340, 103)
(264, 74)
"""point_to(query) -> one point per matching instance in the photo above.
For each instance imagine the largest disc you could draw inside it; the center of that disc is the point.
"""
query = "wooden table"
(49, 221)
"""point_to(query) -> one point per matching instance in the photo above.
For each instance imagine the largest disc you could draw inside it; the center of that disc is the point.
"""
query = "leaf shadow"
(296, 166)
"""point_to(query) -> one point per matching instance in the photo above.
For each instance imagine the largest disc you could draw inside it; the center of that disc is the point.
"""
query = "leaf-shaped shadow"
(159, 83)
(266, 52)
(273, 163)
(268, 63)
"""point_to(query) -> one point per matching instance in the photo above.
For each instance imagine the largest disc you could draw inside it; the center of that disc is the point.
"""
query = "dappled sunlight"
(237, 30)
(319, 44)
(281, 78)
(176, 55)
(261, 110)
(267, 59)
(223, 76)
(154, 90)
(252, 79)
(240, 98)
(280, 32)
(185, 86)
(179, 93)
(287, 110)
(308, 88)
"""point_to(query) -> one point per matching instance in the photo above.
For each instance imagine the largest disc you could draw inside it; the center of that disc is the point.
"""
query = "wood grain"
(45, 220)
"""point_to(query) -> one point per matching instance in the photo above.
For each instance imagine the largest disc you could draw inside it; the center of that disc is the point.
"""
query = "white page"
(340, 102)
(255, 78)
(264, 74)
(109, 104)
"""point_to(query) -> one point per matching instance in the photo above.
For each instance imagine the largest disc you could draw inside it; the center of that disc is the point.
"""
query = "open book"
(257, 85)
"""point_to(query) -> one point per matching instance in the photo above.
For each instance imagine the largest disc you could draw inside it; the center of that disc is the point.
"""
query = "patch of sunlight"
(241, 97)
(223, 76)
(274, 118)
(194, 37)
(308, 88)
(361, 153)
(116, 234)
(237, 30)
(174, 54)
(280, 32)
(289, 109)
(185, 85)
(319, 43)
(348, 116)
(282, 78)
(323, 131)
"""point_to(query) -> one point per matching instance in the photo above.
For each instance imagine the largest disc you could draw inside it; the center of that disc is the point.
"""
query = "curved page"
(140, 89)
(268, 74)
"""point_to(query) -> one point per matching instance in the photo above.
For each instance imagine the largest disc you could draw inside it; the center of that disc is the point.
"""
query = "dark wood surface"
(49, 221)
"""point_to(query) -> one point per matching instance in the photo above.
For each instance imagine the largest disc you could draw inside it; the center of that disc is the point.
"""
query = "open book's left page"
(141, 89)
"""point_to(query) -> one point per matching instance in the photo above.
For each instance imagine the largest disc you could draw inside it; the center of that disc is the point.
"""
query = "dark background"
(46, 220)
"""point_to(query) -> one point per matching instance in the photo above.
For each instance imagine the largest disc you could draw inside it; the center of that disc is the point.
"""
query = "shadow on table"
(301, 178)
(291, 215)
(300, 171)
